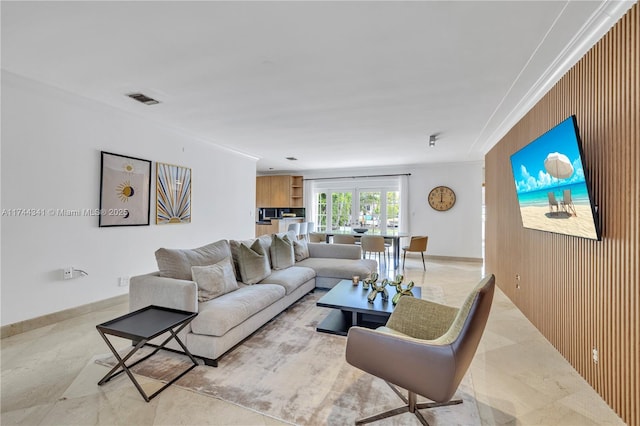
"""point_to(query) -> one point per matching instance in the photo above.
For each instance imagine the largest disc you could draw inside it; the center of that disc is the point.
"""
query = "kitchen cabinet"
(279, 191)
(263, 191)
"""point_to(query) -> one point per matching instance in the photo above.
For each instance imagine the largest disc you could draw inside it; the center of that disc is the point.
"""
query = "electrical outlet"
(517, 281)
(67, 273)
(595, 355)
(123, 281)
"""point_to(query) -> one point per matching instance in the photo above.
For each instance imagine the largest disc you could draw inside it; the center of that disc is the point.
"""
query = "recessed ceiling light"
(292, 159)
(140, 97)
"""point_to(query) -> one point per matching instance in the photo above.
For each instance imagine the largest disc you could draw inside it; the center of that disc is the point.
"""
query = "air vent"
(292, 158)
(143, 98)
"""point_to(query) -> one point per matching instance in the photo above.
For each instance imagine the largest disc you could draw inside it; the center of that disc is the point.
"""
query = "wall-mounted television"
(553, 192)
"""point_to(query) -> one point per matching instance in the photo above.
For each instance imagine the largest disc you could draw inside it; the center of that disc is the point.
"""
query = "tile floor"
(519, 378)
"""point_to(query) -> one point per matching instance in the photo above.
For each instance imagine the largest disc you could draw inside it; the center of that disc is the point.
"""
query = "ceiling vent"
(143, 98)
(292, 158)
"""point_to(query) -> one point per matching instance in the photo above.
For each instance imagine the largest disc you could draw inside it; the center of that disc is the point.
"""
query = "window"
(321, 211)
(364, 203)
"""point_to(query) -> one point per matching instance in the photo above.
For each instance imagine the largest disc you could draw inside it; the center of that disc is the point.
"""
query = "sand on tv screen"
(550, 183)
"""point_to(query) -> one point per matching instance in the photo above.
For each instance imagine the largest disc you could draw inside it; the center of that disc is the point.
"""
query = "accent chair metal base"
(411, 406)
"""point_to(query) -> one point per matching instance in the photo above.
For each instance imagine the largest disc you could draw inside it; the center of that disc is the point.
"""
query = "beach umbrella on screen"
(558, 165)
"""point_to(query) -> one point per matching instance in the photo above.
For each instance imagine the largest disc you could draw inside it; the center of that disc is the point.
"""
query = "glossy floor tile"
(49, 377)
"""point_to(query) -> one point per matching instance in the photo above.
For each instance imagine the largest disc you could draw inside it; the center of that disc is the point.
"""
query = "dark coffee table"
(141, 326)
(352, 308)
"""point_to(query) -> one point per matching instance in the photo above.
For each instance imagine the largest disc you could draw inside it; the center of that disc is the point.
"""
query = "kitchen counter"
(275, 226)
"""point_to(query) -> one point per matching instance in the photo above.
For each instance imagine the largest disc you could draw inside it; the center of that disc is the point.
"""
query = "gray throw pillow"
(214, 280)
(300, 250)
(281, 252)
(177, 263)
(265, 241)
(253, 263)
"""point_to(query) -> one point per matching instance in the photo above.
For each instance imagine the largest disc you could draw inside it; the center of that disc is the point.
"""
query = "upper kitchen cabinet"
(279, 191)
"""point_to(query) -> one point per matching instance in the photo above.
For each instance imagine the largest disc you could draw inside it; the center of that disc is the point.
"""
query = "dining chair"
(303, 231)
(344, 239)
(317, 237)
(374, 244)
(295, 227)
(417, 244)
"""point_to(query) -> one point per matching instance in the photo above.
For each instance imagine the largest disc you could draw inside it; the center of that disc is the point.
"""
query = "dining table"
(394, 236)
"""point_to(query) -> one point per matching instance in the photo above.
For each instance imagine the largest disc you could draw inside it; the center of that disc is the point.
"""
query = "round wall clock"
(442, 198)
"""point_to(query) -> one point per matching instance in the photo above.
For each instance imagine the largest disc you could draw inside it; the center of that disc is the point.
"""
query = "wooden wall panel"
(582, 294)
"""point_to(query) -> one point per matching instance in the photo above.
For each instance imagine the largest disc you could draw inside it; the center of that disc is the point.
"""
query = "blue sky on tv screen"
(528, 163)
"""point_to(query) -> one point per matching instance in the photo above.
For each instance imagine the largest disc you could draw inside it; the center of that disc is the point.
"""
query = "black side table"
(141, 326)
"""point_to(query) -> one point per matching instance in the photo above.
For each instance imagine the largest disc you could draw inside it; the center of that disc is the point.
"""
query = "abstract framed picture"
(125, 190)
(173, 188)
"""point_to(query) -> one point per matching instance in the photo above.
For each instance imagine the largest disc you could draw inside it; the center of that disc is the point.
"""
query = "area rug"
(289, 371)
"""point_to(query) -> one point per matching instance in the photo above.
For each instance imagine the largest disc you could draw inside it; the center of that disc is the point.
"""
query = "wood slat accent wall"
(582, 294)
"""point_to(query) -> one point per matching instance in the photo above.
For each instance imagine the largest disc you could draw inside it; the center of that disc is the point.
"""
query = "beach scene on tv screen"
(550, 184)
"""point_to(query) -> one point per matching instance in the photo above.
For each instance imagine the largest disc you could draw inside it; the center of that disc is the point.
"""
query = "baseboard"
(44, 320)
(457, 259)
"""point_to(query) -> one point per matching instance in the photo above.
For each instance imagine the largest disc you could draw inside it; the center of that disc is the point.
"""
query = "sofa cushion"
(214, 280)
(300, 250)
(290, 278)
(217, 316)
(253, 263)
(281, 252)
(177, 263)
(340, 268)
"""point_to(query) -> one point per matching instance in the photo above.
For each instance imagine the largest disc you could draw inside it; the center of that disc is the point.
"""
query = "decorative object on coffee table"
(378, 288)
(369, 281)
(401, 291)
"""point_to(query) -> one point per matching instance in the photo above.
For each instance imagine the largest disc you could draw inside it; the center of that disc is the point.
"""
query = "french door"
(342, 210)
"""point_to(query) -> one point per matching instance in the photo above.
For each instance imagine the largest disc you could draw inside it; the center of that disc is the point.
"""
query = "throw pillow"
(214, 280)
(300, 250)
(177, 263)
(253, 263)
(281, 252)
(265, 241)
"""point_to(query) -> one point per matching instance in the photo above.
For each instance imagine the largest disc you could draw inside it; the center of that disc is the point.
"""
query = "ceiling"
(333, 84)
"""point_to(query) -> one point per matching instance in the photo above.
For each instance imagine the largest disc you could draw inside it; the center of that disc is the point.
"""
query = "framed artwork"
(125, 190)
(173, 188)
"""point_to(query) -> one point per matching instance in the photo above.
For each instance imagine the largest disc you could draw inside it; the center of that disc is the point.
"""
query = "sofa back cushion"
(253, 263)
(177, 263)
(281, 252)
(214, 280)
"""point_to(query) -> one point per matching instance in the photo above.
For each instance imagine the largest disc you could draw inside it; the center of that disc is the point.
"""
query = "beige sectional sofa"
(238, 286)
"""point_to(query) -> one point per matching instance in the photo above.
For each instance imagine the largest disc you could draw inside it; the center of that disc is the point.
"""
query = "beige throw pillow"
(214, 280)
(253, 263)
(281, 252)
(300, 250)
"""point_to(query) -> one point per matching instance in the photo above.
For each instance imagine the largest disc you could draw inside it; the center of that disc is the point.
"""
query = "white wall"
(51, 143)
(454, 233)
